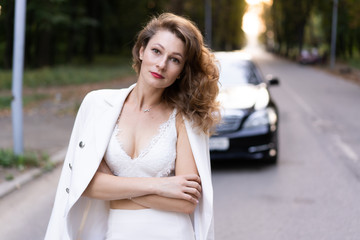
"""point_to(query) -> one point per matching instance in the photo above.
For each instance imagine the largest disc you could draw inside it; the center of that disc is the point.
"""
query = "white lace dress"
(156, 160)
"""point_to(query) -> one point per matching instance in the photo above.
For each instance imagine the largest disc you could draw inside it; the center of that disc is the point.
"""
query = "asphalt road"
(312, 193)
(26, 212)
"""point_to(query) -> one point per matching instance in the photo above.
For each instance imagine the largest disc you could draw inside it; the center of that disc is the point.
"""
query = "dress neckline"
(153, 140)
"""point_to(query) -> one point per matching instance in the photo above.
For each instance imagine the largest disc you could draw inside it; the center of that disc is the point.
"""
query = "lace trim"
(168, 169)
(161, 130)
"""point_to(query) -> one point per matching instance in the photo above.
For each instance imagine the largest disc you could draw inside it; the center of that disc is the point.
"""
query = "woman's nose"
(162, 63)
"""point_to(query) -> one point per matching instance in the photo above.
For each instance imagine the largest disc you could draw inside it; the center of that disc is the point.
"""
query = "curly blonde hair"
(194, 94)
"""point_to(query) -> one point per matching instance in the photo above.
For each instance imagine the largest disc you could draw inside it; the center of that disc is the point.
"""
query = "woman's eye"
(175, 60)
(155, 50)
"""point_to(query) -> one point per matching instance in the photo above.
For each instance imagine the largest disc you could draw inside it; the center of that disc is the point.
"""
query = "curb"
(10, 186)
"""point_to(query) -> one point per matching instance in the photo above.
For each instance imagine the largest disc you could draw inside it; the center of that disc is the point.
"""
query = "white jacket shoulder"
(101, 94)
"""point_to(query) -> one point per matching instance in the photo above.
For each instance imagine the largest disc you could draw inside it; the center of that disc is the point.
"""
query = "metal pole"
(208, 22)
(17, 76)
(333, 34)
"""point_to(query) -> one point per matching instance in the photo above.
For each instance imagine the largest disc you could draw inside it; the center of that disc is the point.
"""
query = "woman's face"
(162, 60)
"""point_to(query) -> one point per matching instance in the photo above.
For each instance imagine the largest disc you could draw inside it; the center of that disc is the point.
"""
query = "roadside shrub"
(30, 159)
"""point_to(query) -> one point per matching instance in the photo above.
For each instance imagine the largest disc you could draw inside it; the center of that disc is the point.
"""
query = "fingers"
(192, 177)
(192, 188)
(190, 199)
(194, 185)
(194, 192)
(185, 187)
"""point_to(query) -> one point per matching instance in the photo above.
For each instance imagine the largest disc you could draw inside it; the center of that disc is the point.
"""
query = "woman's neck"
(145, 98)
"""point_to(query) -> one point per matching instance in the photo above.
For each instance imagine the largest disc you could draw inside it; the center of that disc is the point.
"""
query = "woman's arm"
(106, 186)
(185, 164)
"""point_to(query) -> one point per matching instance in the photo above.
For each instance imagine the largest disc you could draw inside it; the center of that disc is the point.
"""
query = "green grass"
(30, 159)
(103, 69)
(5, 101)
(355, 62)
(34, 98)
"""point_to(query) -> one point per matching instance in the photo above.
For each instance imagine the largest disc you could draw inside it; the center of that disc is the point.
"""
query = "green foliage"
(227, 22)
(48, 166)
(308, 23)
(59, 31)
(348, 27)
(30, 159)
(290, 18)
(104, 68)
(5, 101)
(9, 177)
(355, 62)
(64, 31)
(34, 98)
(67, 75)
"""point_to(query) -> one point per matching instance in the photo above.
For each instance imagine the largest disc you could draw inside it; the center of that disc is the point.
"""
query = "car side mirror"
(272, 81)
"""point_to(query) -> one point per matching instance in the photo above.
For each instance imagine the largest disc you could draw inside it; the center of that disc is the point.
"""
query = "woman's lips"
(157, 75)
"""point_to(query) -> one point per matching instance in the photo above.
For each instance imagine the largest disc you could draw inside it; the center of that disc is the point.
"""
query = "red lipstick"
(156, 75)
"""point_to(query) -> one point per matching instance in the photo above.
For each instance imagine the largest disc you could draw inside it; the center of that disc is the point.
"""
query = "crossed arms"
(179, 193)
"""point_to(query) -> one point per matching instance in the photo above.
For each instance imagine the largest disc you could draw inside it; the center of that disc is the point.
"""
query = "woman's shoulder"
(185, 124)
(102, 93)
(98, 97)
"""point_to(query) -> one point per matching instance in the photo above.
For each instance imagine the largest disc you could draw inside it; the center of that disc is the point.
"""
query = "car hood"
(244, 96)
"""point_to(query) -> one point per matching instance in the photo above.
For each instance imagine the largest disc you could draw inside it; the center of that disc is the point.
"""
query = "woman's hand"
(185, 187)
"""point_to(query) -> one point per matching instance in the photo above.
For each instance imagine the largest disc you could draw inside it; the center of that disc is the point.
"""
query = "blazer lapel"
(104, 127)
(103, 122)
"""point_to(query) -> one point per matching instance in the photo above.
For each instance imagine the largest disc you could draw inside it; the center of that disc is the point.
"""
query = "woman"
(138, 166)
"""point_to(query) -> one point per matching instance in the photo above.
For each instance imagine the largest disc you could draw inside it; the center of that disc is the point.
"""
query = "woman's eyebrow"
(179, 54)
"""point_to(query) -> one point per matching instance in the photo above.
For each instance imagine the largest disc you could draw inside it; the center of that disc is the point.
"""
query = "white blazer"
(77, 217)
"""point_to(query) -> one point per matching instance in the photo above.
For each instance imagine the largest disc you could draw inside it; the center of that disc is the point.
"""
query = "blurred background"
(73, 47)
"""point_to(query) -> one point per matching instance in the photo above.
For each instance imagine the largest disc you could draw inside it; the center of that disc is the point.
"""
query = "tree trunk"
(301, 36)
(90, 31)
(9, 34)
(43, 48)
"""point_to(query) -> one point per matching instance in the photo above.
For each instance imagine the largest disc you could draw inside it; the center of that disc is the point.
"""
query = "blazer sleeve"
(203, 215)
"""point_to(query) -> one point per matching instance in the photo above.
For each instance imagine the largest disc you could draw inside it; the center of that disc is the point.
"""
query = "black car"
(249, 126)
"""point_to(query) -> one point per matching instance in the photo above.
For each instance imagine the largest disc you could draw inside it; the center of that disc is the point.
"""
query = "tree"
(7, 28)
(63, 31)
(227, 19)
(290, 19)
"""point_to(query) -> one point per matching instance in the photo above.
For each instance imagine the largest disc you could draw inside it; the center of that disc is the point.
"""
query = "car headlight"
(261, 118)
(263, 98)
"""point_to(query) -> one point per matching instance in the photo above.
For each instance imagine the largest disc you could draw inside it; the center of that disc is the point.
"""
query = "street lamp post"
(17, 76)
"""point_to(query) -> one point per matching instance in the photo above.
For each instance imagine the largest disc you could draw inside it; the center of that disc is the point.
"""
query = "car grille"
(228, 124)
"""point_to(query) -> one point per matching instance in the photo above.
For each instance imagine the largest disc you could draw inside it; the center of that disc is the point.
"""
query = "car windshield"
(237, 72)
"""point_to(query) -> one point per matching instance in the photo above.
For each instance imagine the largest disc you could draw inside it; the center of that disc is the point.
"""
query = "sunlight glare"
(255, 2)
(251, 23)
